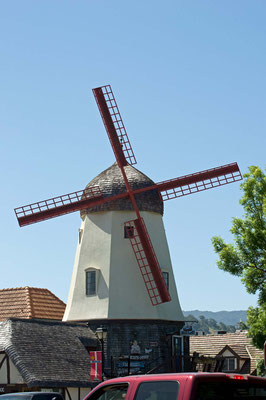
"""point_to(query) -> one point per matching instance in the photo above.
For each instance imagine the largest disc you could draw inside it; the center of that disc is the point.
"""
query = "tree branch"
(258, 268)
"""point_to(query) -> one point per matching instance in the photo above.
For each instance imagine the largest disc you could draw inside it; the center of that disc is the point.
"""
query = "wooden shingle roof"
(112, 183)
(239, 342)
(48, 353)
(28, 302)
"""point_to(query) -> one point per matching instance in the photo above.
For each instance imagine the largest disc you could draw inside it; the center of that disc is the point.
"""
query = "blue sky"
(189, 79)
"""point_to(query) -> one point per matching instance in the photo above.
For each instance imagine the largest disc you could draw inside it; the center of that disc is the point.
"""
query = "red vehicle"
(185, 386)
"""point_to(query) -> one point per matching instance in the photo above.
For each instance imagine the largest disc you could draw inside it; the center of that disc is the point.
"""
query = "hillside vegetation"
(209, 321)
(226, 317)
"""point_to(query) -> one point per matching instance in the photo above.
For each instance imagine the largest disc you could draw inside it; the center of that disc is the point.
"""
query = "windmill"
(135, 228)
(122, 232)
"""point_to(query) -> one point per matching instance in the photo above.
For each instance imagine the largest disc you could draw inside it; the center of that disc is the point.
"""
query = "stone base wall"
(134, 345)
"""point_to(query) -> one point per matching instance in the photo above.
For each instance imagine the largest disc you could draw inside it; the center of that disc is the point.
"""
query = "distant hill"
(227, 317)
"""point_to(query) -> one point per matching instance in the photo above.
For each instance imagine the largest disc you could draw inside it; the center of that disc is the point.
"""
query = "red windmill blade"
(137, 231)
(197, 182)
(114, 125)
(169, 189)
(116, 131)
(60, 205)
(147, 261)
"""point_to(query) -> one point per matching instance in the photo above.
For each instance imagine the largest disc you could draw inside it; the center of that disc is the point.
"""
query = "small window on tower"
(128, 232)
(90, 282)
(80, 235)
(166, 279)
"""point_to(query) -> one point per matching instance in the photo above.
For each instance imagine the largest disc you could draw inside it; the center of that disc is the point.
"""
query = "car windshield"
(110, 392)
(234, 390)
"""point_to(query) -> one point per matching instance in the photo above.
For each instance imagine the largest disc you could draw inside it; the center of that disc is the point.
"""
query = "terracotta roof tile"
(28, 302)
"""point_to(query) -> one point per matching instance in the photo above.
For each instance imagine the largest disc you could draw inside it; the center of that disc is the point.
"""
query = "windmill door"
(177, 353)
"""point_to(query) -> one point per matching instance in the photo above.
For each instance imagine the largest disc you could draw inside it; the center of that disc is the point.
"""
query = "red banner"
(96, 365)
(265, 354)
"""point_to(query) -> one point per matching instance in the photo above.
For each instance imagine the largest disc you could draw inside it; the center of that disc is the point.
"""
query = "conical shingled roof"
(112, 183)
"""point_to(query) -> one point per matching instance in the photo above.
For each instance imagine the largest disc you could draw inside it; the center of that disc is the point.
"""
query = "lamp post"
(101, 334)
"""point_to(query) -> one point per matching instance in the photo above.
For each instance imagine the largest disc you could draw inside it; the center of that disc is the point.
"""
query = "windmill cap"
(112, 183)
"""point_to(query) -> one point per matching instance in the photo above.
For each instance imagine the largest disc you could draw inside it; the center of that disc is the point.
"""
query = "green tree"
(209, 325)
(257, 325)
(242, 326)
(231, 328)
(212, 323)
(203, 324)
(261, 370)
(246, 258)
(222, 326)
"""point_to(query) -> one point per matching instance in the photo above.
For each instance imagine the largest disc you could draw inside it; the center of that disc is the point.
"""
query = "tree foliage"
(257, 325)
(261, 370)
(209, 325)
(246, 258)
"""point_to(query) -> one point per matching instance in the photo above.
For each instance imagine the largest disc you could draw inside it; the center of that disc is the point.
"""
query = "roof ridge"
(251, 347)
(48, 322)
(29, 301)
(242, 332)
(250, 356)
(23, 287)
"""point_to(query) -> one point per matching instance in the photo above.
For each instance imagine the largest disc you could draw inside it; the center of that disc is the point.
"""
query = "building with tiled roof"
(29, 303)
(46, 355)
(235, 350)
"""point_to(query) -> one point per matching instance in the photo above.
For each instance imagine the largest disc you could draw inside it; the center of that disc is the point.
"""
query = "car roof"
(180, 377)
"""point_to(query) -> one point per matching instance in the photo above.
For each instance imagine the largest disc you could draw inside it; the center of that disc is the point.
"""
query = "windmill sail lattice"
(199, 181)
(170, 189)
(114, 125)
(146, 257)
(56, 206)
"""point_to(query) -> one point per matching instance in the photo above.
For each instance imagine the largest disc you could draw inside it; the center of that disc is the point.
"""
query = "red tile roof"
(29, 302)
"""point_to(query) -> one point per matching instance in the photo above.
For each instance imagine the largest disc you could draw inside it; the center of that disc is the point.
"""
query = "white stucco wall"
(121, 293)
(3, 371)
(227, 353)
(75, 394)
(92, 252)
(15, 376)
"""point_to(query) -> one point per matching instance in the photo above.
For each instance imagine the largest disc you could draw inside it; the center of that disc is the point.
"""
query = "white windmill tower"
(106, 283)
(123, 276)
